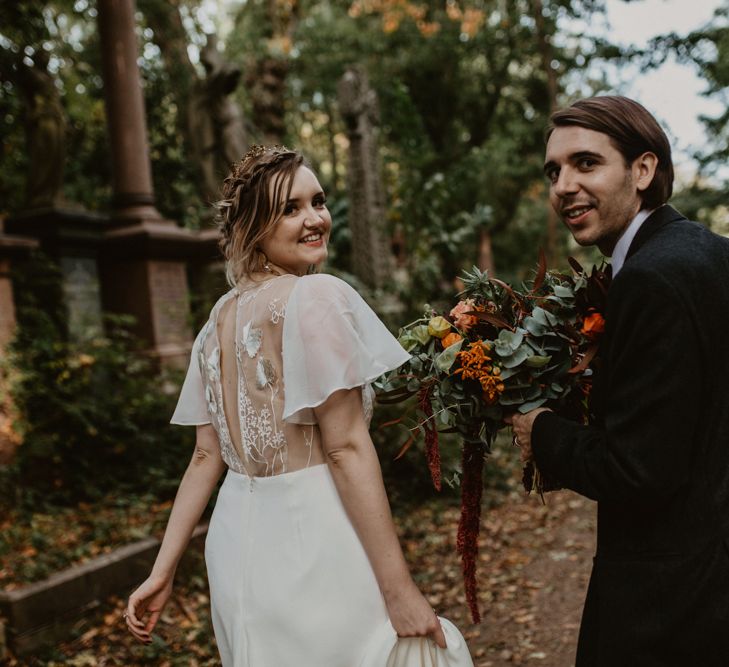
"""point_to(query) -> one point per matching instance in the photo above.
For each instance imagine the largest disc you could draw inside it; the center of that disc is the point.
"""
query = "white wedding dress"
(290, 583)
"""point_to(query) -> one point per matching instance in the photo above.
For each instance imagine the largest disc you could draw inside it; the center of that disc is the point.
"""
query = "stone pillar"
(144, 260)
(372, 259)
(131, 174)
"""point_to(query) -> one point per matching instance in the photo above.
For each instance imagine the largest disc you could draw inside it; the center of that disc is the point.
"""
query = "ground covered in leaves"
(36, 543)
(533, 569)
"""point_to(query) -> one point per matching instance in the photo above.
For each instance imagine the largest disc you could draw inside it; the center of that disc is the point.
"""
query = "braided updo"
(254, 195)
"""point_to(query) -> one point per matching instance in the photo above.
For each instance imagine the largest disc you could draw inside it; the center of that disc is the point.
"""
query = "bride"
(303, 560)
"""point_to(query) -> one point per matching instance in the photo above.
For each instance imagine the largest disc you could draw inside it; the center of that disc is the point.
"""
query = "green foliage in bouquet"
(498, 351)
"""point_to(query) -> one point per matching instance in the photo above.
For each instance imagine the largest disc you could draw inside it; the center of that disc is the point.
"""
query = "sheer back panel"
(241, 354)
(269, 355)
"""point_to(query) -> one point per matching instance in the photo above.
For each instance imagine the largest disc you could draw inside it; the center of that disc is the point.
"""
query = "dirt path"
(534, 567)
(533, 570)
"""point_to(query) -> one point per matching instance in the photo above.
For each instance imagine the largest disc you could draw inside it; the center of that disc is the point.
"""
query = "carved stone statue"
(45, 133)
(216, 124)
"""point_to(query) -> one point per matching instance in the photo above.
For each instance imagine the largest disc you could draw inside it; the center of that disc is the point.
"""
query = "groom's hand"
(522, 425)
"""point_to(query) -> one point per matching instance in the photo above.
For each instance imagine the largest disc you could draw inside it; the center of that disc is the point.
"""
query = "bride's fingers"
(139, 634)
(153, 618)
(438, 635)
(134, 611)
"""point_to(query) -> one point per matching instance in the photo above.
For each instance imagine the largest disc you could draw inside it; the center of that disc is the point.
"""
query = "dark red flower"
(432, 449)
(470, 522)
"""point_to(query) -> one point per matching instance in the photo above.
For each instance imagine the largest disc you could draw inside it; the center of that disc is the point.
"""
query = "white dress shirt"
(623, 244)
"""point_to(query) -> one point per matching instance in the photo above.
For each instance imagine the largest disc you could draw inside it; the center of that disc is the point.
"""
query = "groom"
(657, 458)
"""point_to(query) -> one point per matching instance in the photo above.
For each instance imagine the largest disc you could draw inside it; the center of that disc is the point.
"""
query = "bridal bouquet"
(499, 350)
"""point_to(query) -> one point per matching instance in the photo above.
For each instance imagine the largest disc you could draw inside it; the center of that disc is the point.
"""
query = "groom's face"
(590, 187)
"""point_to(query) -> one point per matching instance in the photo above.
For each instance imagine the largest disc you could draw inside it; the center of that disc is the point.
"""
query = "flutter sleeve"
(331, 340)
(192, 408)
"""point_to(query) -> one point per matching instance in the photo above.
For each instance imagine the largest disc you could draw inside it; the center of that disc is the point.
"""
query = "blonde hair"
(254, 195)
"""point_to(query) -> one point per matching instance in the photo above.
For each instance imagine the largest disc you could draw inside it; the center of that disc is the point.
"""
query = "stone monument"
(67, 234)
(144, 258)
(45, 132)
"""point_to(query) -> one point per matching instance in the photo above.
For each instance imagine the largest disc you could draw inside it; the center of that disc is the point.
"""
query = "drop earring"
(264, 262)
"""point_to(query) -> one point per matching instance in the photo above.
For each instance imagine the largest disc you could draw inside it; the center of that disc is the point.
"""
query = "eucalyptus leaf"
(447, 357)
(537, 361)
(552, 319)
(519, 356)
(534, 327)
(502, 349)
(511, 338)
(532, 405)
(539, 315)
(563, 292)
(512, 399)
(558, 300)
(533, 392)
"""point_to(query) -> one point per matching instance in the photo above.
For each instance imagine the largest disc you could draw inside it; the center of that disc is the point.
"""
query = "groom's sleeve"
(652, 399)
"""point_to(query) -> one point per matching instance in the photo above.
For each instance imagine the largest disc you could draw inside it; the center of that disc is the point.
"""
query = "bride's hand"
(412, 616)
(150, 598)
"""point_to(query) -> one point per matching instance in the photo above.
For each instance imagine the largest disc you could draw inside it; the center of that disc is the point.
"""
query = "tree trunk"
(331, 136)
(486, 253)
(163, 17)
(545, 48)
(267, 79)
(267, 84)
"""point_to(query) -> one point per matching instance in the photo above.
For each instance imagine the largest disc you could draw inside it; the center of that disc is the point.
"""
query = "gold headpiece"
(259, 149)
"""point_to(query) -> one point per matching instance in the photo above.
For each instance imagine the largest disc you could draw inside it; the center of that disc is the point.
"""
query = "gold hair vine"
(257, 150)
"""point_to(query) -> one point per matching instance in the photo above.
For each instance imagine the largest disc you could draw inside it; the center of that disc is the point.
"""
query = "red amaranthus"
(432, 450)
(468, 526)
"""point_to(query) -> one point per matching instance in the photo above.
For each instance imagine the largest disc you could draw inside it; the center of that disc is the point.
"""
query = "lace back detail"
(240, 357)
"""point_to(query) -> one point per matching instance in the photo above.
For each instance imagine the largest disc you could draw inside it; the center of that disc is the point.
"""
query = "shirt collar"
(623, 244)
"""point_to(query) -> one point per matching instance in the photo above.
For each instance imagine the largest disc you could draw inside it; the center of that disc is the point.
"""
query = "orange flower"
(473, 361)
(594, 325)
(492, 387)
(477, 365)
(450, 339)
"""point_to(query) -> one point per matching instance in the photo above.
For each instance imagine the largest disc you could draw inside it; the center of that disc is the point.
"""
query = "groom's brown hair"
(632, 130)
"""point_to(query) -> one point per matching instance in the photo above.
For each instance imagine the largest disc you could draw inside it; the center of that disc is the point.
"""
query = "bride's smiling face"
(299, 238)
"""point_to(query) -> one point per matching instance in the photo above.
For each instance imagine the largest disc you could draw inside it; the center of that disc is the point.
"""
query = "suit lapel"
(655, 221)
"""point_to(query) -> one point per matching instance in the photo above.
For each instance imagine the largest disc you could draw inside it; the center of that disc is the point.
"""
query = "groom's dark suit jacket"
(657, 460)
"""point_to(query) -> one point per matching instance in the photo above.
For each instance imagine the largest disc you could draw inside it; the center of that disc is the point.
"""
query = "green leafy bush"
(93, 413)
